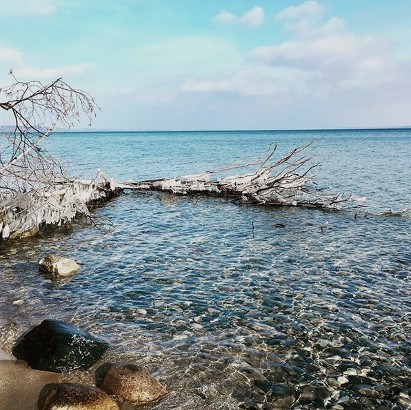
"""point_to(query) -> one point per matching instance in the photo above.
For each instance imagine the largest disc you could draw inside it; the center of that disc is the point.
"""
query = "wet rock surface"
(57, 266)
(58, 346)
(129, 382)
(20, 386)
(72, 396)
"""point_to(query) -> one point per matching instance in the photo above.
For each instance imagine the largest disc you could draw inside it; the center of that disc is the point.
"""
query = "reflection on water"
(233, 306)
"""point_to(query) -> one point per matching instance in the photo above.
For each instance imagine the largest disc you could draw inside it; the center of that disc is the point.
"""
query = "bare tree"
(34, 188)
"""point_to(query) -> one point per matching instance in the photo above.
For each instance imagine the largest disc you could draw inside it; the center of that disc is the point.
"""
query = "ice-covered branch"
(286, 181)
(34, 188)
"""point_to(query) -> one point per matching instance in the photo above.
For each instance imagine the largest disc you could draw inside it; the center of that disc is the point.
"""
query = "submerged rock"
(58, 347)
(129, 382)
(57, 266)
(72, 396)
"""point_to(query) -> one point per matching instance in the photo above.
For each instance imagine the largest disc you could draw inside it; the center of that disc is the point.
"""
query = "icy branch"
(285, 181)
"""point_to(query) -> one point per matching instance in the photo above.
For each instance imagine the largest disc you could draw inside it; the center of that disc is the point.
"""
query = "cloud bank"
(320, 59)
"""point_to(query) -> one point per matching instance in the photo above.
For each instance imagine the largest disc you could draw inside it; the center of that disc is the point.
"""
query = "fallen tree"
(35, 190)
(287, 181)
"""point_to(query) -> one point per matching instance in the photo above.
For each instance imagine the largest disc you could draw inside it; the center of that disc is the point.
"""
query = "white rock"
(58, 266)
(350, 372)
(342, 380)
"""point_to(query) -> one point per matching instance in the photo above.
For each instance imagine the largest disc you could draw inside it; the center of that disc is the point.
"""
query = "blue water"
(235, 306)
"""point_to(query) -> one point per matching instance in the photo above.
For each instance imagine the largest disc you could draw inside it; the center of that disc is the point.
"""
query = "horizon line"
(68, 130)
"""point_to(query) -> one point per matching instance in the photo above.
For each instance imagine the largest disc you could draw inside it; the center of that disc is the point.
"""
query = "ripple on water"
(226, 308)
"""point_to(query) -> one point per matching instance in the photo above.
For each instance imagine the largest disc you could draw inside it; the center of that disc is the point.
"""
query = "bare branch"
(28, 176)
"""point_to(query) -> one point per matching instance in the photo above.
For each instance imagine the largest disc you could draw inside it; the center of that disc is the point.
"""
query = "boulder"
(72, 396)
(129, 382)
(20, 386)
(6, 356)
(57, 266)
(59, 347)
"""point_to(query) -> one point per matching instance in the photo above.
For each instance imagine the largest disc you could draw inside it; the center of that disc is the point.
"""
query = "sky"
(219, 64)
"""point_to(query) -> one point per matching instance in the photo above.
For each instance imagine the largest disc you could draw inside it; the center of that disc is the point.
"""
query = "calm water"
(236, 306)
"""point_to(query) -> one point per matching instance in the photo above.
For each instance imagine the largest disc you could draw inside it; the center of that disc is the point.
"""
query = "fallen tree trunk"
(24, 214)
(286, 182)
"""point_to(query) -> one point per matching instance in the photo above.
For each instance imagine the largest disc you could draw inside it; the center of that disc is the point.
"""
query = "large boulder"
(129, 382)
(20, 386)
(59, 347)
(57, 266)
(72, 396)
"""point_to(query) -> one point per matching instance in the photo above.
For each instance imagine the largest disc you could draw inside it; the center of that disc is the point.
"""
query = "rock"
(6, 356)
(20, 386)
(367, 391)
(129, 382)
(25, 234)
(72, 396)
(59, 347)
(314, 394)
(57, 266)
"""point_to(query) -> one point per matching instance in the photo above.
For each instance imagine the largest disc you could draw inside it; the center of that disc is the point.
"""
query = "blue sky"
(219, 64)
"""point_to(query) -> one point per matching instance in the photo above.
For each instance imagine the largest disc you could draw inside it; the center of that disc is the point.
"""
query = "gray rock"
(129, 382)
(367, 391)
(57, 266)
(72, 396)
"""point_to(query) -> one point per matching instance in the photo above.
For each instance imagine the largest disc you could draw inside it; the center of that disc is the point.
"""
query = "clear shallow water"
(236, 306)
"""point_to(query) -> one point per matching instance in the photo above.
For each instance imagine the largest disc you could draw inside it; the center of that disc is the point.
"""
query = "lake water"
(236, 306)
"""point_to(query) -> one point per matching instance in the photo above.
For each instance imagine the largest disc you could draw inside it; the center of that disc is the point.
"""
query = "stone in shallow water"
(313, 394)
(57, 266)
(58, 347)
(129, 382)
(72, 396)
(367, 391)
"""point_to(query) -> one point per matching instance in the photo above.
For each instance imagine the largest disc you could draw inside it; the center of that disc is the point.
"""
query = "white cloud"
(10, 55)
(21, 7)
(225, 17)
(317, 61)
(31, 73)
(321, 45)
(308, 10)
(253, 81)
(252, 18)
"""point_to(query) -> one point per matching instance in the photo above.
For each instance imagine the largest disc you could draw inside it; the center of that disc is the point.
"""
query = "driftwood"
(286, 181)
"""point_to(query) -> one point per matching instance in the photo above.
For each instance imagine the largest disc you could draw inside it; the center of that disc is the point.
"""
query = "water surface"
(236, 306)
